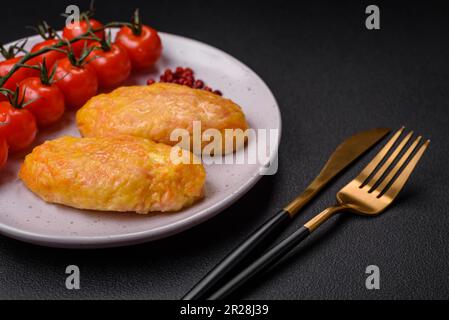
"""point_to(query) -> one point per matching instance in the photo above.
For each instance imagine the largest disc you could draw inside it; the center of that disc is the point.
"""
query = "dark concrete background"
(332, 78)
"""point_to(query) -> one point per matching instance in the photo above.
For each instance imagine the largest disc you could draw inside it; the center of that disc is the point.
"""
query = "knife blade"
(345, 154)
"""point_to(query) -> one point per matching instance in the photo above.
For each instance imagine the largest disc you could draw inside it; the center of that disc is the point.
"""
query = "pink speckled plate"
(26, 217)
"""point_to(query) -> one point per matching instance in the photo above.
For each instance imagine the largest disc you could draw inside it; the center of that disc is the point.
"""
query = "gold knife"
(345, 154)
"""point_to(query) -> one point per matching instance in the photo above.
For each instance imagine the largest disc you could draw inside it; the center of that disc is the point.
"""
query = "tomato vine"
(61, 43)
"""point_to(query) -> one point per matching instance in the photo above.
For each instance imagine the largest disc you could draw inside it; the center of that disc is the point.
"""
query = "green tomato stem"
(57, 45)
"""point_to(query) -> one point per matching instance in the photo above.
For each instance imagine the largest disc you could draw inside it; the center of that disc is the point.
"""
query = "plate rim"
(97, 242)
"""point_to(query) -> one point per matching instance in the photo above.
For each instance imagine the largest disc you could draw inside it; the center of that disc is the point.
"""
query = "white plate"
(26, 217)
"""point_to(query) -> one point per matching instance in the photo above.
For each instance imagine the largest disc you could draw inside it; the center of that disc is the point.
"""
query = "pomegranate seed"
(186, 74)
(199, 84)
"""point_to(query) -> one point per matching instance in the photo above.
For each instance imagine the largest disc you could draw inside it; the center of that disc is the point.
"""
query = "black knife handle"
(256, 241)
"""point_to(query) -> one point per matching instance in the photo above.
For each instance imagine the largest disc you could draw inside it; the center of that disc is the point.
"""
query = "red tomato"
(143, 49)
(19, 75)
(47, 104)
(112, 67)
(78, 84)
(51, 56)
(20, 128)
(76, 29)
(3, 152)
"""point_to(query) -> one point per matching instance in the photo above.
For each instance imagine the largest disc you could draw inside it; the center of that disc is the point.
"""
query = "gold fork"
(369, 194)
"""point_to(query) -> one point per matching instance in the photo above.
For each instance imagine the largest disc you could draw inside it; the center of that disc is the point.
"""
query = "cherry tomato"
(20, 127)
(143, 49)
(47, 104)
(3, 152)
(76, 29)
(112, 66)
(51, 56)
(19, 75)
(78, 84)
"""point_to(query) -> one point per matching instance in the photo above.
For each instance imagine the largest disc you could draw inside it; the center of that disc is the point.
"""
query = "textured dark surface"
(332, 78)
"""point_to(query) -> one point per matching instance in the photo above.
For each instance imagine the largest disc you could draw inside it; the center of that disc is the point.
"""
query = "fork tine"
(399, 183)
(389, 162)
(397, 167)
(378, 158)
